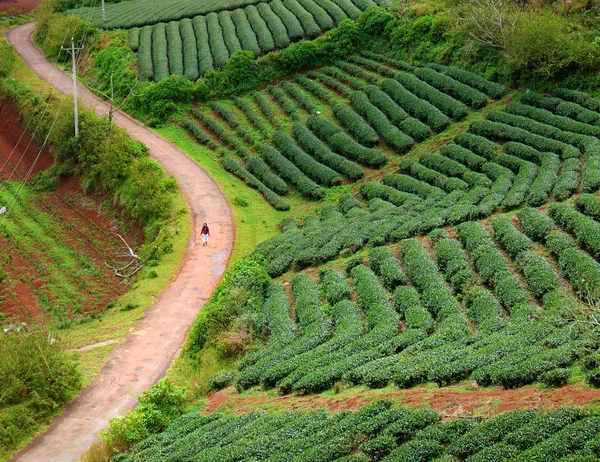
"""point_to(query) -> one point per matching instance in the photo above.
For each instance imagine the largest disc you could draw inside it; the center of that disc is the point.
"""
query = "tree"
(491, 22)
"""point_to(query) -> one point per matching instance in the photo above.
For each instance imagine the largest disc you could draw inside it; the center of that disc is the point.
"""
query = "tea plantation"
(376, 432)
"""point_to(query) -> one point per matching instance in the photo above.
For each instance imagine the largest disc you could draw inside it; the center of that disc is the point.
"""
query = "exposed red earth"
(149, 349)
(83, 225)
(15, 7)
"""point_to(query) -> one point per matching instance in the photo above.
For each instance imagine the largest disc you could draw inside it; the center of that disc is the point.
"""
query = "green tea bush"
(315, 88)
(244, 32)
(315, 147)
(334, 286)
(563, 108)
(590, 181)
(145, 53)
(450, 86)
(555, 378)
(323, 20)
(464, 156)
(509, 238)
(174, 49)
(259, 27)
(539, 275)
(355, 124)
(276, 26)
(373, 190)
(492, 89)
(297, 20)
(289, 171)
(205, 59)
(448, 105)
(313, 169)
(411, 185)
(190, 52)
(585, 229)
(589, 204)
(415, 106)
(383, 262)
(380, 123)
(344, 144)
(385, 104)
(229, 34)
(159, 52)
(260, 170)
(133, 39)
(218, 47)
(333, 10)
(568, 181)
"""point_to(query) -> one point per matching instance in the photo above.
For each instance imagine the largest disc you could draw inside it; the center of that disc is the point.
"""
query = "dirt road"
(143, 358)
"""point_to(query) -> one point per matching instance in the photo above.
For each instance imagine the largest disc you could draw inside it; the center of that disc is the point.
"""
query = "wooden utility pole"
(73, 51)
(103, 12)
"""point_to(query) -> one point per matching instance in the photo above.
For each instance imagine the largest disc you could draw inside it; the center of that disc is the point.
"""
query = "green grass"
(254, 223)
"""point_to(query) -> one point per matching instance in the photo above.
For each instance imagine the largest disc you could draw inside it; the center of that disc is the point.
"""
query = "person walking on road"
(205, 233)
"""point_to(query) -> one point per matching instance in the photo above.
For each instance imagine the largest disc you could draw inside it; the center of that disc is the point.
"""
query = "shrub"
(259, 27)
(145, 53)
(315, 147)
(229, 34)
(289, 171)
(233, 166)
(385, 104)
(448, 105)
(133, 40)
(568, 181)
(521, 185)
(315, 88)
(175, 48)
(410, 185)
(334, 286)
(344, 144)
(274, 24)
(464, 156)
(320, 16)
(190, 52)
(590, 182)
(205, 58)
(377, 119)
(333, 10)
(555, 378)
(458, 90)
(539, 275)
(535, 224)
(563, 108)
(244, 32)
(383, 262)
(492, 89)
(355, 124)
(585, 229)
(295, 92)
(313, 169)
(415, 106)
(159, 52)
(218, 47)
(589, 204)
(297, 20)
(509, 238)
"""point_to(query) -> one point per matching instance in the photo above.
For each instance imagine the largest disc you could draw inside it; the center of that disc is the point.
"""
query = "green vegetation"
(377, 431)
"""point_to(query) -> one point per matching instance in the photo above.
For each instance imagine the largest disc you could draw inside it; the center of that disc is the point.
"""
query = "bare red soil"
(15, 7)
(83, 226)
(450, 402)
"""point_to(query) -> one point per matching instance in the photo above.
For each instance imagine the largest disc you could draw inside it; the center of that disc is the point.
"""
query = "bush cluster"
(445, 103)
(190, 52)
(445, 83)
(205, 58)
(175, 49)
(383, 262)
(492, 89)
(218, 47)
(344, 144)
(585, 229)
(273, 24)
(355, 124)
(244, 32)
(264, 38)
(561, 107)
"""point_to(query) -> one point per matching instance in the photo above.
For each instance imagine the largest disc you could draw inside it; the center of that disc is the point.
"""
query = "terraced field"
(376, 432)
(335, 125)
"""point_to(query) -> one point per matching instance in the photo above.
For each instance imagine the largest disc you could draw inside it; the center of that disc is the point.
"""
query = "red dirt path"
(15, 7)
(449, 401)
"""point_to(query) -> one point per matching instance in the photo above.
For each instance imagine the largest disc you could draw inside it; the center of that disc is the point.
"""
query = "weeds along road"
(146, 353)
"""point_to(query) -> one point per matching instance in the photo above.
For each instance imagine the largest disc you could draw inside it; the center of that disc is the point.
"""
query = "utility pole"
(103, 12)
(73, 51)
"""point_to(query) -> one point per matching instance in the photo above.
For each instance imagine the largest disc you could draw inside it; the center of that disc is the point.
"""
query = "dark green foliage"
(315, 88)
(205, 59)
(333, 10)
(568, 181)
(295, 92)
(145, 53)
(539, 275)
(590, 182)
(492, 89)
(589, 204)
(509, 238)
(385, 104)
(563, 108)
(448, 105)
(415, 106)
(355, 124)
(313, 169)
(175, 49)
(218, 48)
(555, 378)
(334, 285)
(260, 170)
(344, 144)
(260, 29)
(535, 224)
(585, 229)
(297, 20)
(289, 171)
(244, 32)
(377, 119)
(320, 16)
(274, 24)
(190, 52)
(450, 86)
(229, 33)
(133, 39)
(231, 165)
(315, 147)
(159, 52)
(383, 262)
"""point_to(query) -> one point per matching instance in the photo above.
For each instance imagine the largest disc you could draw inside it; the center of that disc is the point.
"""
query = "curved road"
(143, 358)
